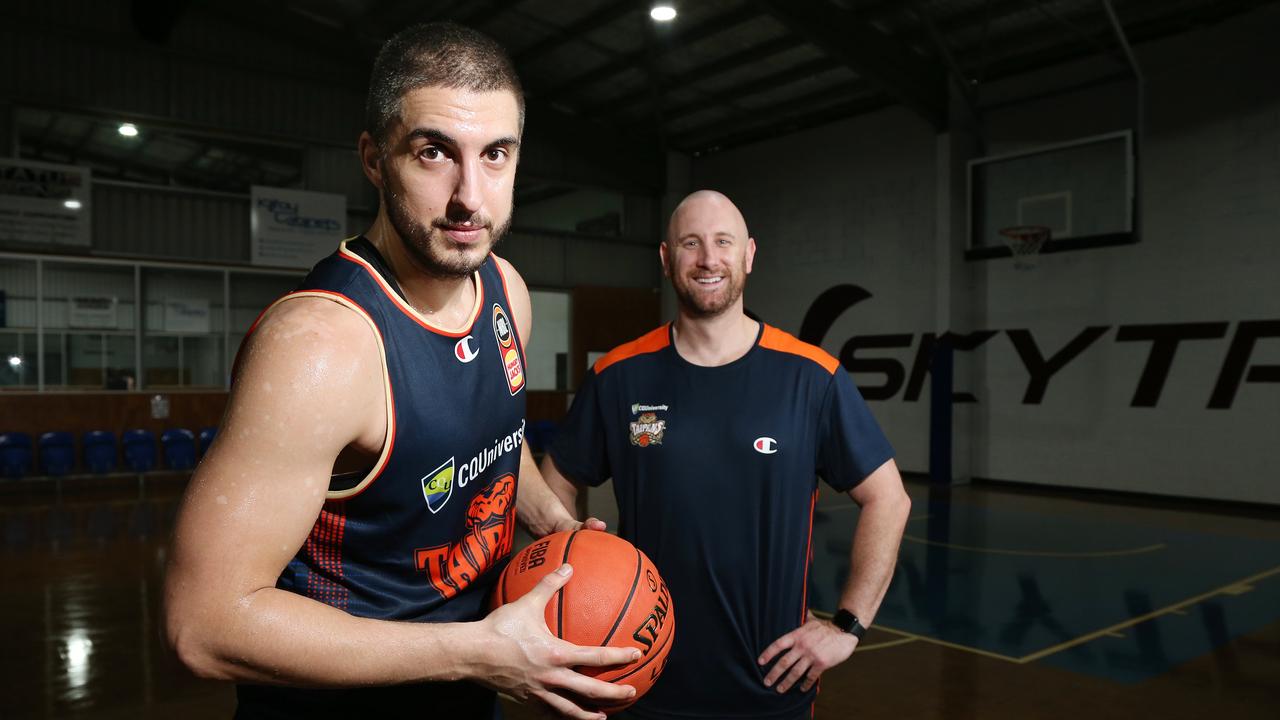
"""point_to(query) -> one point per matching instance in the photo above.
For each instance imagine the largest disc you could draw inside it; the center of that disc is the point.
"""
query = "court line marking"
(944, 643)
(1037, 553)
(883, 645)
(1148, 616)
(1112, 630)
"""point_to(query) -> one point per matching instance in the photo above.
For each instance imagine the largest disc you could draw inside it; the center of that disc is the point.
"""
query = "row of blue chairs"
(57, 451)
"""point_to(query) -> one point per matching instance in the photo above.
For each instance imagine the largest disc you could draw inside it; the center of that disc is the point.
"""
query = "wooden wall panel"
(605, 317)
(36, 413)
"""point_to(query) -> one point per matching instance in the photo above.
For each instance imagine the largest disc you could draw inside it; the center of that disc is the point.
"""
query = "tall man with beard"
(362, 594)
(714, 429)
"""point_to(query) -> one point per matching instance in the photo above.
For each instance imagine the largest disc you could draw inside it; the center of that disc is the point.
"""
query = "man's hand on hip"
(806, 653)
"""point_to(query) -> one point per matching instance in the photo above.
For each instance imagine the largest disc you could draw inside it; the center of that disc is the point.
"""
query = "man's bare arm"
(537, 507)
(310, 383)
(806, 652)
(564, 488)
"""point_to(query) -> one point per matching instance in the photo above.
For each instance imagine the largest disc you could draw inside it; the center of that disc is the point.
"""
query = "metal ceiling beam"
(755, 86)
(478, 12)
(849, 91)
(784, 123)
(590, 23)
(617, 106)
(913, 80)
(687, 36)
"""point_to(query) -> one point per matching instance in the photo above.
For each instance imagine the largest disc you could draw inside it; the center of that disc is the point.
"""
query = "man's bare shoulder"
(312, 343)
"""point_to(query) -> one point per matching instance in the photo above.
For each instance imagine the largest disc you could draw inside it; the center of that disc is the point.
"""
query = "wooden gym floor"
(1007, 604)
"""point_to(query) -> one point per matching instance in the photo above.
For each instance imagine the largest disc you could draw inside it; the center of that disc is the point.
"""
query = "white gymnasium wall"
(854, 203)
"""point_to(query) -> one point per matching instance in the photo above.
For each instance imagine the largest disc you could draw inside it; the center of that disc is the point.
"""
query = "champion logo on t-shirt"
(766, 445)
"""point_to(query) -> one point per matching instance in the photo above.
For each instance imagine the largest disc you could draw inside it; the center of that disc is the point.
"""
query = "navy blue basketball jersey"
(715, 471)
(424, 533)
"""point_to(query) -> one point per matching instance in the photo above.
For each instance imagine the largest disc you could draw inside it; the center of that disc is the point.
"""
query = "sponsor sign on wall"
(97, 313)
(44, 203)
(186, 315)
(294, 228)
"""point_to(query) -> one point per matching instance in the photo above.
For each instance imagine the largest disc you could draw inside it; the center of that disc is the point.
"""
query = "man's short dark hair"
(439, 54)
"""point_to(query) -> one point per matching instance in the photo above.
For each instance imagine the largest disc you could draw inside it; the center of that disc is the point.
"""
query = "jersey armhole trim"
(515, 326)
(389, 442)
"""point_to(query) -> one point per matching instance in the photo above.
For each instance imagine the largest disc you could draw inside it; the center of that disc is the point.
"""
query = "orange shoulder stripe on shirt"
(651, 341)
(775, 339)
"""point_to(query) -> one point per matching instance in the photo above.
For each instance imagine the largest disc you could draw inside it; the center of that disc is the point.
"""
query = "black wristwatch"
(848, 622)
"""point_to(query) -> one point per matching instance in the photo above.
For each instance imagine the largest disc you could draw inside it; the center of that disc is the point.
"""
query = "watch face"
(843, 619)
(848, 622)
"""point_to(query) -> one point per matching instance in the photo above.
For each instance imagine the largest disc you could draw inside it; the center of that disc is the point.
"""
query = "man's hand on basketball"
(806, 653)
(529, 662)
(588, 524)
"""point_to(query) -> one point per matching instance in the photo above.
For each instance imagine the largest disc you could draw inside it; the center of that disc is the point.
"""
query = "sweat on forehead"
(707, 206)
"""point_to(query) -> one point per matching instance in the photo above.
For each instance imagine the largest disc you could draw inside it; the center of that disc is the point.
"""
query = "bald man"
(715, 429)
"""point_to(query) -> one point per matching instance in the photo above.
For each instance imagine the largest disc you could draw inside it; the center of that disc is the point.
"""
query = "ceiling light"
(72, 204)
(128, 129)
(15, 361)
(663, 13)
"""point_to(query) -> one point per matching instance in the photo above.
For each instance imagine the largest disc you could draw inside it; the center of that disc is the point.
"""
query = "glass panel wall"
(19, 368)
(88, 315)
(183, 328)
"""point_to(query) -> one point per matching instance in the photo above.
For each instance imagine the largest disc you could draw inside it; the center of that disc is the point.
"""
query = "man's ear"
(751, 253)
(370, 159)
(662, 258)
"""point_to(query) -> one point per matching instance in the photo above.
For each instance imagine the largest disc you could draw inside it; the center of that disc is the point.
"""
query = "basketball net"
(1025, 242)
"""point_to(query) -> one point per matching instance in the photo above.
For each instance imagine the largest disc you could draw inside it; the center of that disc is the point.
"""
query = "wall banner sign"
(294, 228)
(97, 313)
(44, 203)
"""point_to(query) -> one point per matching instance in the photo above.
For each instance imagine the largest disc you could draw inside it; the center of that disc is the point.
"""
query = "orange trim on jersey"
(808, 560)
(507, 294)
(774, 339)
(407, 309)
(390, 441)
(652, 341)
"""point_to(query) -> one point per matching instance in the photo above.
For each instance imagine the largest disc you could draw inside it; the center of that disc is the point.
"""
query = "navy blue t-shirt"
(715, 471)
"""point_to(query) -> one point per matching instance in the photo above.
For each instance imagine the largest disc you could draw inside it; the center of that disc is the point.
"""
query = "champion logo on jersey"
(765, 445)
(464, 349)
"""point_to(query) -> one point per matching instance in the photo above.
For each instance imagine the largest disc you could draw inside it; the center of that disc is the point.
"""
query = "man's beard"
(431, 249)
(699, 304)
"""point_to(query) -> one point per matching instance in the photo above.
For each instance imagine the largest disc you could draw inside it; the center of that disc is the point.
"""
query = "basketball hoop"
(1025, 242)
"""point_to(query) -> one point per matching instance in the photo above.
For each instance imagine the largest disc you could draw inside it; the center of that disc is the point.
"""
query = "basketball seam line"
(635, 582)
(560, 593)
(647, 661)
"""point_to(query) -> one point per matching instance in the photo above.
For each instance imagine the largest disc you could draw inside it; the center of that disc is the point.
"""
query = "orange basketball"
(615, 597)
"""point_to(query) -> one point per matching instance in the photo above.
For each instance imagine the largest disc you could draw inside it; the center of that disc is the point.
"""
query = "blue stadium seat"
(15, 454)
(57, 453)
(206, 439)
(99, 451)
(179, 448)
(139, 450)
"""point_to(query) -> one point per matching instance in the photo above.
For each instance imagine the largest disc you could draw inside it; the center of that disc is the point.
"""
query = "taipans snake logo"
(766, 445)
(464, 351)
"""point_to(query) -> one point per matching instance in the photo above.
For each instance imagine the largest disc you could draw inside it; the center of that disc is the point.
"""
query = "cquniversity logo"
(437, 486)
